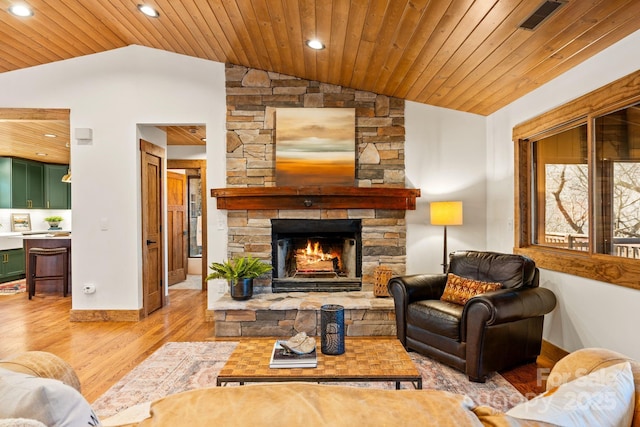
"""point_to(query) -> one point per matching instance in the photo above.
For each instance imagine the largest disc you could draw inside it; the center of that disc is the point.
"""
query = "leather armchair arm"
(508, 305)
(407, 289)
(417, 287)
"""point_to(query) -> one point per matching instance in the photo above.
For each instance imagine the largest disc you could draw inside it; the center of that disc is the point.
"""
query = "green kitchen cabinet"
(57, 194)
(27, 184)
(12, 265)
(5, 182)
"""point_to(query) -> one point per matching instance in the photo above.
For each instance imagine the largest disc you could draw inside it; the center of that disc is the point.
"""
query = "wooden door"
(177, 226)
(152, 238)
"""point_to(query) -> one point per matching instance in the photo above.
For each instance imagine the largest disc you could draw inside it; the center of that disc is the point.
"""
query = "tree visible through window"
(562, 180)
(567, 201)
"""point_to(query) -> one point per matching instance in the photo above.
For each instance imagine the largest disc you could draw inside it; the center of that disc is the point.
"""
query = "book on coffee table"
(281, 358)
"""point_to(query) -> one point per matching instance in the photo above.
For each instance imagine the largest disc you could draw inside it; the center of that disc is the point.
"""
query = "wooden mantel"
(316, 198)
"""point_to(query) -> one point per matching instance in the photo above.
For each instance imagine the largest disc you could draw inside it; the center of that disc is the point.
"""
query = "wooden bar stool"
(34, 254)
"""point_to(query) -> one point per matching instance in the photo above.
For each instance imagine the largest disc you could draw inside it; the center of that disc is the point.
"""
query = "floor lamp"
(446, 213)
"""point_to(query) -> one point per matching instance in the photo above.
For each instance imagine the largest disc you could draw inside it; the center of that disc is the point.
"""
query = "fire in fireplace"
(316, 255)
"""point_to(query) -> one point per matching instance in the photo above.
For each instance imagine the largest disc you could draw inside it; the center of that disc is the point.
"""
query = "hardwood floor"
(100, 352)
(103, 352)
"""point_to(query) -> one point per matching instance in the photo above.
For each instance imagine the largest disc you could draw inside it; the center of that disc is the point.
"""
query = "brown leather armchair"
(493, 331)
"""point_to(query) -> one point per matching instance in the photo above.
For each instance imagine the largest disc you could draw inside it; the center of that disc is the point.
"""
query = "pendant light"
(67, 177)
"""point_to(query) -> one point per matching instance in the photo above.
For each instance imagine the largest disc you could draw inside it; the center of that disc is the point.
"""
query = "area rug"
(181, 366)
(14, 287)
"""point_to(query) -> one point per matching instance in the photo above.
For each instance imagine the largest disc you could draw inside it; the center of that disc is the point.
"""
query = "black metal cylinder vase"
(241, 289)
(332, 329)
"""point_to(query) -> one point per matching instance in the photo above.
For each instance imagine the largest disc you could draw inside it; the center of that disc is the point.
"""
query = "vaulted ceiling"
(461, 54)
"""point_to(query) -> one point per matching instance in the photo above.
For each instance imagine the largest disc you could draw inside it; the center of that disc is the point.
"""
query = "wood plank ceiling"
(461, 54)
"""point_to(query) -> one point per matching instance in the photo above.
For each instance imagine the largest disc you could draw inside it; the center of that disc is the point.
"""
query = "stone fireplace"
(252, 97)
(256, 209)
(316, 255)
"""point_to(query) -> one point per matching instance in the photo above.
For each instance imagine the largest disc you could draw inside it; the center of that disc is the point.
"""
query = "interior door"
(177, 226)
(152, 238)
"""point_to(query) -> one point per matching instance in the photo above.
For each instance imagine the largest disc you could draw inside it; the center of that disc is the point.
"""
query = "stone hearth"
(285, 314)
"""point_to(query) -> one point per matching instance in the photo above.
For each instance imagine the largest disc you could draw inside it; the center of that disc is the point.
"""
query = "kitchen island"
(49, 264)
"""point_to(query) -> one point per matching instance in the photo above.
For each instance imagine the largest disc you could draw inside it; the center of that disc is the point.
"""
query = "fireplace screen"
(316, 255)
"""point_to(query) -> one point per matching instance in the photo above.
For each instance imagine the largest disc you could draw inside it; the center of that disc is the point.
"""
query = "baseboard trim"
(106, 315)
(550, 354)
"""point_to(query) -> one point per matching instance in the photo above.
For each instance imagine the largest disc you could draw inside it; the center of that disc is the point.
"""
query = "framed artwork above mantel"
(315, 146)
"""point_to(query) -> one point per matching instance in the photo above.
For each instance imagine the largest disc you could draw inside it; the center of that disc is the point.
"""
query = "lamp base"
(444, 264)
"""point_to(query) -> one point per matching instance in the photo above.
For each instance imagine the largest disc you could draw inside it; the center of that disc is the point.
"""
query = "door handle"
(150, 242)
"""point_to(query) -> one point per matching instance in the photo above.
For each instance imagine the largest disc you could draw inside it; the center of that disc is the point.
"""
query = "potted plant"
(239, 272)
(54, 222)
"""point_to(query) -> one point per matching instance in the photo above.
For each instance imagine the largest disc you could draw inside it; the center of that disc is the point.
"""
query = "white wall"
(112, 93)
(444, 158)
(589, 313)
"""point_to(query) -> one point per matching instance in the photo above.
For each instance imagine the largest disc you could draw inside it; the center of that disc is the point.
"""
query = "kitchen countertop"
(48, 236)
(14, 239)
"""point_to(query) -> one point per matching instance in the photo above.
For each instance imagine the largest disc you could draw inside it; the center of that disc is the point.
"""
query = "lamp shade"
(446, 213)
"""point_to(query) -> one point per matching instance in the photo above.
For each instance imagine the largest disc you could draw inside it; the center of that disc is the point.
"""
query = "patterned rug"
(181, 366)
(12, 288)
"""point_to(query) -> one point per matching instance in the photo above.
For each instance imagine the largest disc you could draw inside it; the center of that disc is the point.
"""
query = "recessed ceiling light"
(42, 154)
(21, 10)
(148, 10)
(315, 44)
(50, 135)
(203, 139)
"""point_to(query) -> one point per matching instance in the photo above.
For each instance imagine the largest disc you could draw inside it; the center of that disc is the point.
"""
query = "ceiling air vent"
(544, 11)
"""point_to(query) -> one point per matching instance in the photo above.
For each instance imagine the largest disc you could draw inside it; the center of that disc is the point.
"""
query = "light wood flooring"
(103, 352)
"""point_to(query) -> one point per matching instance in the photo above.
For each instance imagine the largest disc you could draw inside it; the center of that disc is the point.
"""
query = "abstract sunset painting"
(315, 146)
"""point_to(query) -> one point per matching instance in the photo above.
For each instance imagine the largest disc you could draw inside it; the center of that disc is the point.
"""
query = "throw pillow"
(49, 401)
(603, 398)
(459, 290)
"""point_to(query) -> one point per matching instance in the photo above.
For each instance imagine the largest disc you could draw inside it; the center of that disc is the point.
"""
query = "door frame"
(202, 166)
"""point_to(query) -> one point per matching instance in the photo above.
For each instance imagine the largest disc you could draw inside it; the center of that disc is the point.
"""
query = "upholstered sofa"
(591, 386)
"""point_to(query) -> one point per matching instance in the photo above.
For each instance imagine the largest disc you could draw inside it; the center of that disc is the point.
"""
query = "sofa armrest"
(509, 305)
(584, 361)
(44, 365)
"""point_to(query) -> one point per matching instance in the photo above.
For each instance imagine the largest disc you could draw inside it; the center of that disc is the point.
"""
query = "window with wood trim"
(578, 186)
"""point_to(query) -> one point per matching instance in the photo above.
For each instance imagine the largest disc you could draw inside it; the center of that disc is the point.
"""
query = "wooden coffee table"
(365, 360)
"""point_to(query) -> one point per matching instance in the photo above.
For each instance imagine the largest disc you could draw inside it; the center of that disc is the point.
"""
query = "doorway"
(194, 243)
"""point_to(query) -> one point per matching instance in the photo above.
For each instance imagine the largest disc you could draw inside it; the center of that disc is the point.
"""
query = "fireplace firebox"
(316, 255)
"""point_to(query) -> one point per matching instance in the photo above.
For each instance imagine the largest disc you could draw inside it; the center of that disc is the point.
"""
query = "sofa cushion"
(459, 290)
(440, 317)
(49, 401)
(603, 398)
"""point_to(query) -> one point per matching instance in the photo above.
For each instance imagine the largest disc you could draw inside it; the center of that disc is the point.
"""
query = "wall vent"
(544, 11)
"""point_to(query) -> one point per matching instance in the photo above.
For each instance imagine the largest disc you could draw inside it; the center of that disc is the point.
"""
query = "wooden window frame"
(602, 267)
